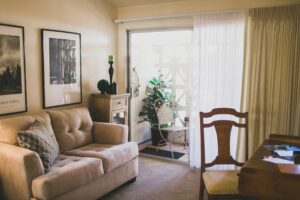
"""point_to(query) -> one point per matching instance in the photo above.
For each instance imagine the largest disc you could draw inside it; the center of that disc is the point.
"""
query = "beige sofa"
(94, 158)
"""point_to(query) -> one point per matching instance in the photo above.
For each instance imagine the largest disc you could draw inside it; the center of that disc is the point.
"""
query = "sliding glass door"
(154, 53)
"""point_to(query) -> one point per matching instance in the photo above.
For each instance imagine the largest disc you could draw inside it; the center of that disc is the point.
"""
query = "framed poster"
(12, 70)
(61, 68)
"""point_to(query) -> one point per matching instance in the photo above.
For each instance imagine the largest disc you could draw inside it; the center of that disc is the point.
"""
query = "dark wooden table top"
(270, 181)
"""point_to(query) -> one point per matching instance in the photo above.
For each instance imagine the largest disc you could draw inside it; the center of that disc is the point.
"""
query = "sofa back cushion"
(72, 127)
(11, 126)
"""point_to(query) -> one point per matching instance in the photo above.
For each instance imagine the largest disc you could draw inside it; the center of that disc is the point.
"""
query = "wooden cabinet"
(109, 108)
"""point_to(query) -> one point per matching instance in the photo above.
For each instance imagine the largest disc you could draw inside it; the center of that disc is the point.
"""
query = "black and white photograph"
(62, 61)
(61, 68)
(12, 70)
(10, 65)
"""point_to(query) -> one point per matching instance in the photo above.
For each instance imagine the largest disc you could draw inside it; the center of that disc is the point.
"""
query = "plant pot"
(156, 137)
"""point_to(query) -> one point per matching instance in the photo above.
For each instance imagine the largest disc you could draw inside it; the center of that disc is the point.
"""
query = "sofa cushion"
(11, 126)
(66, 174)
(37, 138)
(112, 156)
(72, 127)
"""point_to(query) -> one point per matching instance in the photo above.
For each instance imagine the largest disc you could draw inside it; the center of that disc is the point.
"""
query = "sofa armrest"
(107, 133)
(18, 167)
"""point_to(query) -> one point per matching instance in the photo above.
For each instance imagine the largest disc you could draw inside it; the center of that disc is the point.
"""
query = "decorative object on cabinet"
(111, 69)
(103, 86)
(61, 68)
(12, 70)
(109, 108)
(112, 85)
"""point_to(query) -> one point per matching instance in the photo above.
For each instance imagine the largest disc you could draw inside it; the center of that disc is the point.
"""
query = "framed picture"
(61, 68)
(12, 70)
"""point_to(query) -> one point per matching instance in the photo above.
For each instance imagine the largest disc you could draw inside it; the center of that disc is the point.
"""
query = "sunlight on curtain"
(216, 75)
(274, 76)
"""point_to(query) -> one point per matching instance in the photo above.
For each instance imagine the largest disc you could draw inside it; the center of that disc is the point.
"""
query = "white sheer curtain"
(216, 74)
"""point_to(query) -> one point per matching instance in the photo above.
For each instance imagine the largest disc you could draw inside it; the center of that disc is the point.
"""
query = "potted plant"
(158, 89)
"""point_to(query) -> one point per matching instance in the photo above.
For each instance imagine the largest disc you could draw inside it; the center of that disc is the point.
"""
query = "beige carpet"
(160, 180)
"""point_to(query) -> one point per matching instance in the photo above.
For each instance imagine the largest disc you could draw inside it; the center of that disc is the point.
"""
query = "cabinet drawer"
(119, 103)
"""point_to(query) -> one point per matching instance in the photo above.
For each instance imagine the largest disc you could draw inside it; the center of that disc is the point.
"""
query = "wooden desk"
(268, 181)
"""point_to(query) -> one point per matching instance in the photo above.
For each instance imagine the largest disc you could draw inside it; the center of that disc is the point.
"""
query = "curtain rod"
(187, 15)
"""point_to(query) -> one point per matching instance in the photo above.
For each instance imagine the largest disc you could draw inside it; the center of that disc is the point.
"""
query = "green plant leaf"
(159, 89)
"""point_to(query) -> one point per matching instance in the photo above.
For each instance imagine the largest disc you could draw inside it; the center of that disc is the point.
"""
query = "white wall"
(196, 6)
(92, 18)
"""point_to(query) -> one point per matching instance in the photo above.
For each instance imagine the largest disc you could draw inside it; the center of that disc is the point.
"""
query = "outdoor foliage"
(158, 89)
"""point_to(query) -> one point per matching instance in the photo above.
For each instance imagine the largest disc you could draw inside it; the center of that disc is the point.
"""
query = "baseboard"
(145, 141)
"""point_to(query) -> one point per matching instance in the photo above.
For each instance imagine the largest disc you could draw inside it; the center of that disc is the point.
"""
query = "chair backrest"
(164, 111)
(223, 131)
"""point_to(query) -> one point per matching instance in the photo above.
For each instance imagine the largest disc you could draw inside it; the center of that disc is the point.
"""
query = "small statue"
(103, 86)
(112, 85)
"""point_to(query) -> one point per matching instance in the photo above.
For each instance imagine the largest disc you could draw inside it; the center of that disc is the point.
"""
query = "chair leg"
(168, 143)
(185, 139)
(201, 192)
(185, 145)
(170, 146)
(212, 198)
(172, 154)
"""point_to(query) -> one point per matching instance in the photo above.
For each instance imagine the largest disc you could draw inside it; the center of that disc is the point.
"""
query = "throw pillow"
(37, 138)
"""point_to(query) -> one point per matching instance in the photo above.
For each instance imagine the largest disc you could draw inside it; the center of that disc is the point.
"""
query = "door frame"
(128, 62)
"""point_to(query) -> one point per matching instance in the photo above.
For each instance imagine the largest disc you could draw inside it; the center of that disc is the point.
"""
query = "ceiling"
(124, 3)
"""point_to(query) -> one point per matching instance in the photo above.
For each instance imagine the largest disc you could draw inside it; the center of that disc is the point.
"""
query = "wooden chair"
(221, 182)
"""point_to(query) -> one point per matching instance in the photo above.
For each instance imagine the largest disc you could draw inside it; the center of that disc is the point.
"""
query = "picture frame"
(13, 97)
(62, 82)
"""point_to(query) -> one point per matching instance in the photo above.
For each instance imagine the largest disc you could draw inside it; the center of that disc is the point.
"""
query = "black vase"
(156, 137)
(111, 72)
